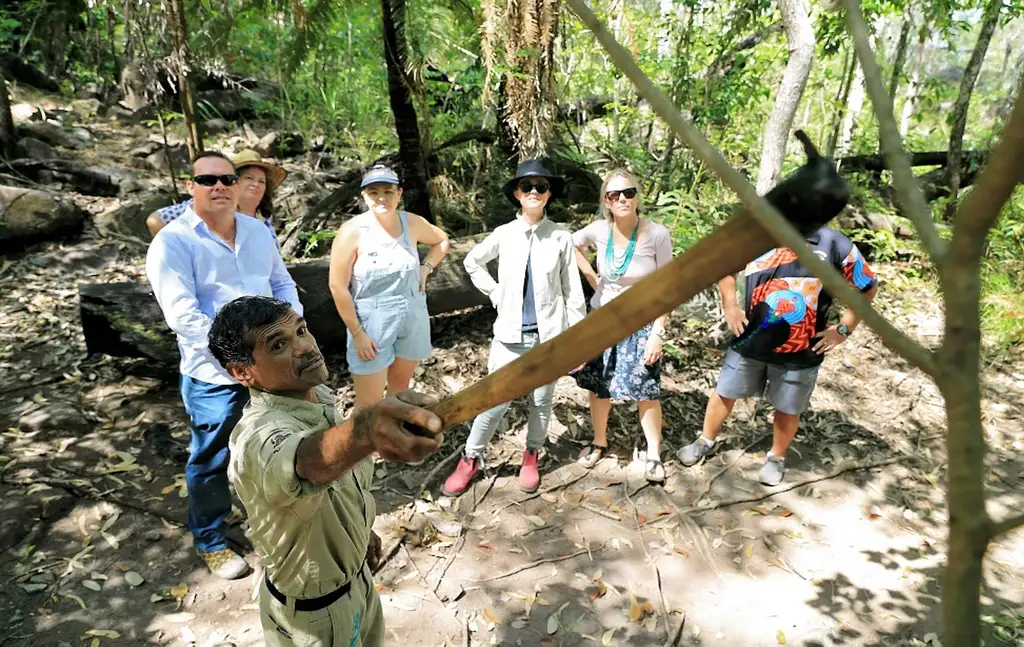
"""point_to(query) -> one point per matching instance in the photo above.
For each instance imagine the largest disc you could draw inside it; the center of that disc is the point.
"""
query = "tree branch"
(766, 215)
(1006, 525)
(982, 206)
(910, 196)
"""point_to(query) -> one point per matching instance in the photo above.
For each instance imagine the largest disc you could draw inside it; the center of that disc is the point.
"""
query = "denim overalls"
(386, 291)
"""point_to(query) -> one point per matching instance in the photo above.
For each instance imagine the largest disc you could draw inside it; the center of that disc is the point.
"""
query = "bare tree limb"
(766, 215)
(982, 206)
(910, 196)
(1006, 525)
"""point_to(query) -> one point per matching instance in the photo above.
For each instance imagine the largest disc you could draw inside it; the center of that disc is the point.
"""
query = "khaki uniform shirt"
(558, 291)
(311, 538)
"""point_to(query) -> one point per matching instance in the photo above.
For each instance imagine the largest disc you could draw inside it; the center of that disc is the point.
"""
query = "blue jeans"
(213, 411)
(541, 400)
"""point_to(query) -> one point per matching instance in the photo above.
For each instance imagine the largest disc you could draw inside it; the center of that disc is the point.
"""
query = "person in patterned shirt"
(782, 336)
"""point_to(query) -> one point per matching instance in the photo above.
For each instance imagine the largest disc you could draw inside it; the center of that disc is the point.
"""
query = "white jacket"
(557, 290)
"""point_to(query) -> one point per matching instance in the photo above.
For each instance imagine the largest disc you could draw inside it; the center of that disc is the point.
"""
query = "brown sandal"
(591, 455)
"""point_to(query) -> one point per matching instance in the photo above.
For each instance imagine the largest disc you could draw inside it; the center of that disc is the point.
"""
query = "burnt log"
(82, 179)
(18, 70)
(877, 163)
(124, 319)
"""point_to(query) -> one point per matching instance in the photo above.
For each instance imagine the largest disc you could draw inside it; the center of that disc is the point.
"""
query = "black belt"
(312, 604)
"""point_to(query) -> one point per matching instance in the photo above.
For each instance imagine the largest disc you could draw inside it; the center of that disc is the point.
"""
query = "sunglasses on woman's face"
(630, 193)
(526, 187)
(211, 180)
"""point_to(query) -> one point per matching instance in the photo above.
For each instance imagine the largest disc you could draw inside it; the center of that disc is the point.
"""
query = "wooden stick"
(437, 468)
(539, 562)
(726, 251)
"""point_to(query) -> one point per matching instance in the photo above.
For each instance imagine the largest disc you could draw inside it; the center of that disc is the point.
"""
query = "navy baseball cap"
(379, 174)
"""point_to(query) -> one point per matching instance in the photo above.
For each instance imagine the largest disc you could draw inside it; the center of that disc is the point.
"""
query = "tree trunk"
(842, 101)
(958, 119)
(179, 38)
(800, 34)
(111, 24)
(529, 103)
(915, 84)
(8, 138)
(901, 57)
(411, 155)
(959, 381)
(853, 108)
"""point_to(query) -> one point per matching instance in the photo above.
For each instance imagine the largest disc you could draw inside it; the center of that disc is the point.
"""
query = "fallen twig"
(539, 562)
(842, 469)
(31, 572)
(490, 484)
(423, 579)
(452, 554)
(732, 464)
(552, 488)
(596, 510)
(82, 493)
(647, 554)
(679, 632)
(432, 474)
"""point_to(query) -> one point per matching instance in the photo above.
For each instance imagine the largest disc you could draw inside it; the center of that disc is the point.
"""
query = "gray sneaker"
(772, 471)
(225, 564)
(695, 451)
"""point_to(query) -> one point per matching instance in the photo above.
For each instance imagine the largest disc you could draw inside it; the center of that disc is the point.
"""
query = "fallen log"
(81, 179)
(877, 163)
(124, 319)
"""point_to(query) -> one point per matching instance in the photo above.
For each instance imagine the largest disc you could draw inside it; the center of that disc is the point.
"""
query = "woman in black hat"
(628, 248)
(538, 295)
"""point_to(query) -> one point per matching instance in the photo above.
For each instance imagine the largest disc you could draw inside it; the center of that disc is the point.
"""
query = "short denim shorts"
(399, 325)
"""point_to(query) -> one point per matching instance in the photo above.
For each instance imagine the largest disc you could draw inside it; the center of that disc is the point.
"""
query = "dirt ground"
(848, 551)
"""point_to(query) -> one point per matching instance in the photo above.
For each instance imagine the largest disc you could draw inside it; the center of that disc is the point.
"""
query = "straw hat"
(249, 157)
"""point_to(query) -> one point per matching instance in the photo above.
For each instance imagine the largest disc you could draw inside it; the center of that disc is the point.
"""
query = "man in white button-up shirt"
(196, 264)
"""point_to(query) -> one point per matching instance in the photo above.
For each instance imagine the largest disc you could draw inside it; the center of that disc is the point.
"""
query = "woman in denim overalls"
(378, 284)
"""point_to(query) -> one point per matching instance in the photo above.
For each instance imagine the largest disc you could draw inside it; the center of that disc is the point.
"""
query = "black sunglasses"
(211, 180)
(526, 186)
(630, 193)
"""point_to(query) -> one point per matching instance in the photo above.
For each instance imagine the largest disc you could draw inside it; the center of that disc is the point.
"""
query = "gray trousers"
(541, 400)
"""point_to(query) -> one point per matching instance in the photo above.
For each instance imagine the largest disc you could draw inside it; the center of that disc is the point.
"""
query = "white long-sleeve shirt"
(194, 273)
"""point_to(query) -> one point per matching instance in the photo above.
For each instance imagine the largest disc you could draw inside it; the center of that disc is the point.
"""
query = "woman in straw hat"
(257, 181)
(538, 295)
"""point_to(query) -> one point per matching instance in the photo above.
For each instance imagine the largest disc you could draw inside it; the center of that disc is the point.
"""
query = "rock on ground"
(28, 215)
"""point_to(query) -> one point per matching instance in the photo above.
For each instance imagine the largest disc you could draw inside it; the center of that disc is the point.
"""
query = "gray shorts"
(789, 391)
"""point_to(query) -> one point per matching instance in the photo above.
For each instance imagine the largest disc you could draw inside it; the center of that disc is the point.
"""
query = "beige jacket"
(558, 291)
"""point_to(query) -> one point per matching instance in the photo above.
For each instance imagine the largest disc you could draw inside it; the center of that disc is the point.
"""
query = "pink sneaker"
(529, 475)
(460, 478)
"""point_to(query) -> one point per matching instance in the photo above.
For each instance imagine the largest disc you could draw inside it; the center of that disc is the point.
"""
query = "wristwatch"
(843, 330)
(660, 332)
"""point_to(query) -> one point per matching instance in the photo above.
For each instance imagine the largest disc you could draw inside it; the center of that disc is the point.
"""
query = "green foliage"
(1002, 304)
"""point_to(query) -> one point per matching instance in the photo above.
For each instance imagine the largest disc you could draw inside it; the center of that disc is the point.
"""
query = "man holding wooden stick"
(303, 475)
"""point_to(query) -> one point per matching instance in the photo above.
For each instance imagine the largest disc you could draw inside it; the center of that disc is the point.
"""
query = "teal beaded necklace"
(615, 273)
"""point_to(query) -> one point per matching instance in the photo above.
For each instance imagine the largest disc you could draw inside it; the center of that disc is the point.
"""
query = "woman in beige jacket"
(538, 295)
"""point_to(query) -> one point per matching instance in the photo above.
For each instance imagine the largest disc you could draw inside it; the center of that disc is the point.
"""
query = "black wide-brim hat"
(533, 168)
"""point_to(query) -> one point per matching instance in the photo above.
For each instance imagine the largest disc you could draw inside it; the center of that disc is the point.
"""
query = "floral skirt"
(620, 373)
